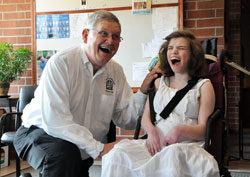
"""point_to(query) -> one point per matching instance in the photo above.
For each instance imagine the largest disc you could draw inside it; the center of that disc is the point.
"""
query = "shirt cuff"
(141, 93)
(97, 150)
(141, 97)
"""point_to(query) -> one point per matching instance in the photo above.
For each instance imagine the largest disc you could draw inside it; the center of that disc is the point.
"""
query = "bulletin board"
(142, 34)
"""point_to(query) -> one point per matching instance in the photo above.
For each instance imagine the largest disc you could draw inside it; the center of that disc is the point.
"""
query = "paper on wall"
(77, 23)
(140, 70)
(147, 50)
(163, 19)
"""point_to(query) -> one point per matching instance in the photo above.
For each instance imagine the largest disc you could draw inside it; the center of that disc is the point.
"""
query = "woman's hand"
(172, 136)
(153, 142)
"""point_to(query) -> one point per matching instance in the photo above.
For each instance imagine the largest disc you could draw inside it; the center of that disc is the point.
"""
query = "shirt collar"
(87, 63)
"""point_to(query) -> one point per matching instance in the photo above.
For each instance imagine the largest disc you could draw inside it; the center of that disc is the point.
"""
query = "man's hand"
(107, 148)
(149, 78)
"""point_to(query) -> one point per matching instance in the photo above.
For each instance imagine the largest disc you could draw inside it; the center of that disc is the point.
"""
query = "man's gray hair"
(101, 15)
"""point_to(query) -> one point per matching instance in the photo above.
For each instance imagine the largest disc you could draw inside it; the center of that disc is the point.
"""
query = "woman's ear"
(85, 34)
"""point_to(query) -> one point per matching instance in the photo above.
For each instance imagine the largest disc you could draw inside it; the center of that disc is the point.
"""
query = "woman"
(174, 146)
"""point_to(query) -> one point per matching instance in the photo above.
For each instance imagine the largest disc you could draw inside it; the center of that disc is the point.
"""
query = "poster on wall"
(141, 6)
(52, 26)
(42, 57)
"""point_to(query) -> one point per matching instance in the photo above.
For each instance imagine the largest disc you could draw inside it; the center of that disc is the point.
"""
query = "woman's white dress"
(130, 158)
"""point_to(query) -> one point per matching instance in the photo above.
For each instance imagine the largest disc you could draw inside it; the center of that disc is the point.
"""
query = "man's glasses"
(105, 34)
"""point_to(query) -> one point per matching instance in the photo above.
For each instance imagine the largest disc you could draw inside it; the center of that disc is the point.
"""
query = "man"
(43, 62)
(80, 92)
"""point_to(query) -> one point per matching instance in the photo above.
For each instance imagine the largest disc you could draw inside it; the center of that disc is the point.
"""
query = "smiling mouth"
(174, 61)
(105, 49)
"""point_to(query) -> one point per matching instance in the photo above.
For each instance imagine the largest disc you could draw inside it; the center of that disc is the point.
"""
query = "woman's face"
(178, 54)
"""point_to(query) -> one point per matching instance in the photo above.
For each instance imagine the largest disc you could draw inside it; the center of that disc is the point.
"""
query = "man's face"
(101, 42)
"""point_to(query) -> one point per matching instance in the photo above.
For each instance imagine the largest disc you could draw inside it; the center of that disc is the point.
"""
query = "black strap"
(151, 95)
(177, 98)
(172, 103)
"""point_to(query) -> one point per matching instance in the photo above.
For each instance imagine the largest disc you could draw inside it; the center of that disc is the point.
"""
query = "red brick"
(13, 24)
(189, 5)
(13, 1)
(20, 81)
(220, 41)
(234, 83)
(28, 15)
(204, 32)
(220, 13)
(13, 89)
(121, 138)
(189, 23)
(233, 109)
(24, 23)
(13, 15)
(210, 22)
(7, 8)
(232, 114)
(236, 94)
(127, 132)
(203, 38)
(232, 100)
(23, 40)
(8, 39)
(28, 81)
(28, 31)
(7, 24)
(219, 31)
(14, 32)
(23, 7)
(201, 14)
(210, 4)
(27, 73)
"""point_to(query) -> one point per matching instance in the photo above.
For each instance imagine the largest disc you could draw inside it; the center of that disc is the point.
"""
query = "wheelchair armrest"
(211, 119)
(138, 128)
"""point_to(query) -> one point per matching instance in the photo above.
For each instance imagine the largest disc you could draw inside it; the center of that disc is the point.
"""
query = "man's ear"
(85, 34)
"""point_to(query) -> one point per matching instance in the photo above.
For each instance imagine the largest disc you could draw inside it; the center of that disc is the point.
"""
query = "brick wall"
(16, 28)
(233, 79)
(205, 19)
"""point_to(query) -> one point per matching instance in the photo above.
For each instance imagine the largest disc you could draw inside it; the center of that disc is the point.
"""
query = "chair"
(215, 131)
(26, 94)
